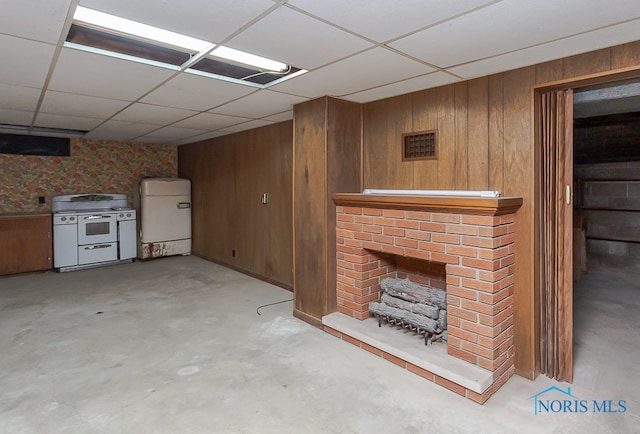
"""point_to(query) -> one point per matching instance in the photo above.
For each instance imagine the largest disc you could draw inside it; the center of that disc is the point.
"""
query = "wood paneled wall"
(327, 160)
(229, 174)
(485, 141)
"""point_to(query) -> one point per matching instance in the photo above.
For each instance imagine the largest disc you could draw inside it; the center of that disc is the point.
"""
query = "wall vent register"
(419, 146)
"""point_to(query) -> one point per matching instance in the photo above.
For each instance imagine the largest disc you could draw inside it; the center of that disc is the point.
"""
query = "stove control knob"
(121, 215)
(64, 219)
(72, 218)
(128, 214)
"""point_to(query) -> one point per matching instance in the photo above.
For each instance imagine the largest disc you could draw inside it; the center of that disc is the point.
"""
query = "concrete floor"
(174, 345)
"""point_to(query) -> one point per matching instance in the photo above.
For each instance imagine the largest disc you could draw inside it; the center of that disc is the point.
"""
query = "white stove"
(91, 230)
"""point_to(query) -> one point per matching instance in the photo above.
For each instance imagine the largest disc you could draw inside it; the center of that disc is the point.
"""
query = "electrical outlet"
(41, 199)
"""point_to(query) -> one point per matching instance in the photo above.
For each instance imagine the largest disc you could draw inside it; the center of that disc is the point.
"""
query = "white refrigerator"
(164, 216)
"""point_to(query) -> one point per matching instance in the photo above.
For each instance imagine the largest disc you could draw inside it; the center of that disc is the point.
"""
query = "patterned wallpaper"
(95, 166)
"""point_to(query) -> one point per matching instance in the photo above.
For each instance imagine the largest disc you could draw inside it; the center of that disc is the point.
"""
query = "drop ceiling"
(359, 50)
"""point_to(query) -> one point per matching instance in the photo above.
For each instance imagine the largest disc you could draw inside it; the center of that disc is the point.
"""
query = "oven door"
(97, 228)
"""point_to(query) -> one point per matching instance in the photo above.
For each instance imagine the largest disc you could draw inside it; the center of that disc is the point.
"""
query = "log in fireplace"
(472, 240)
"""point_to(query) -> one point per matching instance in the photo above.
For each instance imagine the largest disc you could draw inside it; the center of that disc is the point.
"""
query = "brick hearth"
(472, 239)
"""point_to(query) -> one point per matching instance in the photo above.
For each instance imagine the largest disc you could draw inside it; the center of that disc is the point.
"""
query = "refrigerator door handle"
(184, 205)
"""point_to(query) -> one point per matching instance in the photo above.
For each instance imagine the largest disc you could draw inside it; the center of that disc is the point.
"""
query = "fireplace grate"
(429, 336)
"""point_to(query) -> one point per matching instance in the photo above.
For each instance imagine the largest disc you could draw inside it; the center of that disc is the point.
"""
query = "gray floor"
(175, 346)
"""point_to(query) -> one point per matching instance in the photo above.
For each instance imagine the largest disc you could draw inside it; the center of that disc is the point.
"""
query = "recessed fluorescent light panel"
(121, 37)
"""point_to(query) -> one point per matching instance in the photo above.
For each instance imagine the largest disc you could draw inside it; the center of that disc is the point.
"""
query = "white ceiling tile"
(247, 126)
(382, 20)
(40, 20)
(18, 97)
(15, 117)
(104, 76)
(297, 39)
(152, 114)
(606, 37)
(209, 20)
(24, 63)
(170, 134)
(411, 85)
(511, 25)
(195, 92)
(364, 71)
(259, 104)
(210, 121)
(68, 122)
(119, 130)
(80, 105)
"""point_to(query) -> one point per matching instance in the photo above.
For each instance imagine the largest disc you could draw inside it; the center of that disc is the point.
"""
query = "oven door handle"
(98, 246)
(94, 217)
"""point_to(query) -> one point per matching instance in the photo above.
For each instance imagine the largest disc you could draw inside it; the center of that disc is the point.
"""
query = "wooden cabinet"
(25, 243)
(327, 159)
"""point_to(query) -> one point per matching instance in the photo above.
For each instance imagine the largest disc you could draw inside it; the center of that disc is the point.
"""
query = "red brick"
(393, 213)
(420, 371)
(383, 221)
(373, 229)
(394, 232)
(371, 349)
(344, 218)
(431, 247)
(478, 329)
(365, 267)
(371, 246)
(372, 211)
(453, 280)
(470, 252)
(397, 360)
(383, 239)
(408, 224)
(507, 239)
(365, 220)
(433, 227)
(480, 285)
(420, 254)
(418, 215)
(445, 238)
(474, 306)
(481, 264)
(457, 270)
(469, 294)
(447, 259)
(351, 340)
(345, 295)
(362, 236)
(352, 210)
(445, 218)
(450, 385)
(403, 242)
(461, 313)
(333, 332)
(477, 350)
(480, 220)
(362, 315)
(393, 249)
(345, 310)
(462, 229)
(484, 242)
(344, 233)
(453, 300)
(463, 354)
(460, 333)
(418, 235)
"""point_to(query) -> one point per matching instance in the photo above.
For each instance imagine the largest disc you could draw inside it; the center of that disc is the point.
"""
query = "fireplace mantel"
(460, 205)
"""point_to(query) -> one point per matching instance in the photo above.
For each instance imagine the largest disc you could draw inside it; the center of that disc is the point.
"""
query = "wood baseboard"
(316, 322)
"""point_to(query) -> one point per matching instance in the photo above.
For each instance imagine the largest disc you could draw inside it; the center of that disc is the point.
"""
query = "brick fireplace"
(462, 243)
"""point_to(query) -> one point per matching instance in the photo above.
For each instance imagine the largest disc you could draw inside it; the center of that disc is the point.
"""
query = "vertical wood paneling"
(496, 132)
(327, 154)
(461, 99)
(587, 63)
(626, 55)
(478, 134)
(425, 118)
(518, 103)
(549, 71)
(309, 206)
(228, 176)
(387, 121)
(446, 138)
